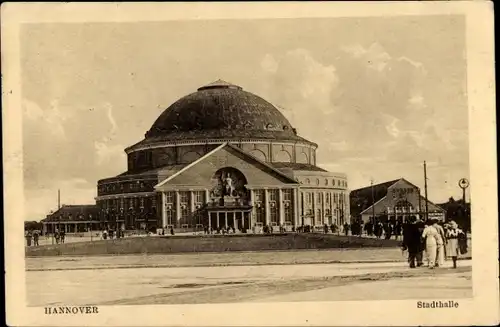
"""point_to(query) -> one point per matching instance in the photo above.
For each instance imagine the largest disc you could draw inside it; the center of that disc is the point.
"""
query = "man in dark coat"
(412, 242)
(420, 255)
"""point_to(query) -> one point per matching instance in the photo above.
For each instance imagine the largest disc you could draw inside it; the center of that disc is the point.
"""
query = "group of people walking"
(32, 236)
(438, 241)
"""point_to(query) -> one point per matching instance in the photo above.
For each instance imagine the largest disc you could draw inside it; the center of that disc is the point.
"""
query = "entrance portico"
(230, 185)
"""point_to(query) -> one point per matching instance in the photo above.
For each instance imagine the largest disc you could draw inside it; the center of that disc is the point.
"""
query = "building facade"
(72, 219)
(221, 157)
(392, 201)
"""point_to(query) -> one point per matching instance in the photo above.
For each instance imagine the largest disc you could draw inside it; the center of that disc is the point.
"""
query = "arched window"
(302, 158)
(258, 154)
(282, 156)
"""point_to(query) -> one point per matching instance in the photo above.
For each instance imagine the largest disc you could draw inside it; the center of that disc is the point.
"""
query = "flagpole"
(425, 185)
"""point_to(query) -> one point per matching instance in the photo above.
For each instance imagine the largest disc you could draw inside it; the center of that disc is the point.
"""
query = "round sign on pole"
(463, 183)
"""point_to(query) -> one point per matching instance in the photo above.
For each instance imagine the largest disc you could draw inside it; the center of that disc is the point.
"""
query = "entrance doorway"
(221, 219)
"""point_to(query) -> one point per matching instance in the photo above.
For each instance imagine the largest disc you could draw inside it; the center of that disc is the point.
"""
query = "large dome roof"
(222, 110)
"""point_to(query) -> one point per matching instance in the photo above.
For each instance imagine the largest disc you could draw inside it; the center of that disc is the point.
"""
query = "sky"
(378, 95)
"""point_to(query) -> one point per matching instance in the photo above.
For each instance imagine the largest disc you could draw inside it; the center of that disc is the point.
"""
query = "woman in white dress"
(452, 249)
(431, 236)
(440, 244)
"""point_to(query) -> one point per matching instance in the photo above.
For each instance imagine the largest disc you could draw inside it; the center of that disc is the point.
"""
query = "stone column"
(164, 221)
(192, 208)
(252, 213)
(331, 207)
(207, 196)
(281, 207)
(295, 206)
(177, 207)
(314, 206)
(266, 202)
(323, 207)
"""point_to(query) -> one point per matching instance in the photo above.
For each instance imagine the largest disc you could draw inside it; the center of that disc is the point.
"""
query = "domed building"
(221, 157)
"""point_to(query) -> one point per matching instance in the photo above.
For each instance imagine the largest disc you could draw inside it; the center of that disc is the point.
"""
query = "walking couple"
(439, 244)
(436, 242)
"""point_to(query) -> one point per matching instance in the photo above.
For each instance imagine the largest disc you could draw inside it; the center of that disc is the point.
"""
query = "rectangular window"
(287, 195)
(288, 214)
(318, 198)
(170, 217)
(259, 196)
(198, 197)
(260, 215)
(318, 218)
(309, 198)
(184, 197)
(169, 197)
(273, 214)
(273, 195)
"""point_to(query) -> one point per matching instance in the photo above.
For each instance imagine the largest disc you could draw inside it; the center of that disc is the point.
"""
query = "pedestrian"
(452, 247)
(28, 236)
(420, 225)
(57, 236)
(346, 229)
(440, 255)
(36, 236)
(62, 236)
(431, 236)
(411, 241)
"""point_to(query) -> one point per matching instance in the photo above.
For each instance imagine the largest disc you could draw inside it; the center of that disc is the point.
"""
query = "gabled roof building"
(393, 200)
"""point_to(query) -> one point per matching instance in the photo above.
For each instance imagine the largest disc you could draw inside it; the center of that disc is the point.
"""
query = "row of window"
(326, 182)
(135, 186)
(129, 203)
(185, 197)
(327, 198)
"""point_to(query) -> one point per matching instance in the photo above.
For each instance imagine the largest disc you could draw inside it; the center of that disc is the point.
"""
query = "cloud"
(299, 85)
(368, 109)
(106, 153)
(269, 64)
(52, 117)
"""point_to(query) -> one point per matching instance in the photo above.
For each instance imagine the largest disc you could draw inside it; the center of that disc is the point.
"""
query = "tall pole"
(419, 204)
(59, 207)
(373, 202)
(425, 185)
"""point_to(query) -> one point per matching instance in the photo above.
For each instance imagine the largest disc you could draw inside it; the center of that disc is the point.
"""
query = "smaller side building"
(392, 201)
(72, 219)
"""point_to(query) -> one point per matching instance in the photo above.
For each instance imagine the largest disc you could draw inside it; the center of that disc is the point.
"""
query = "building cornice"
(168, 144)
(124, 195)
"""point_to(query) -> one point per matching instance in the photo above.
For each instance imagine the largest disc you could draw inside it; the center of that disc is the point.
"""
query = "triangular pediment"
(201, 172)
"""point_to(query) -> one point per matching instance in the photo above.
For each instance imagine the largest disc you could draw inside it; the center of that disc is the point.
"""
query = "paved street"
(215, 259)
(189, 283)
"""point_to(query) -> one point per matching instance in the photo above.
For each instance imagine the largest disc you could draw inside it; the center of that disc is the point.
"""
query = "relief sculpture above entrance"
(229, 182)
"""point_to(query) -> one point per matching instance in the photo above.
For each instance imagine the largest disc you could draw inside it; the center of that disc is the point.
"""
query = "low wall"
(212, 243)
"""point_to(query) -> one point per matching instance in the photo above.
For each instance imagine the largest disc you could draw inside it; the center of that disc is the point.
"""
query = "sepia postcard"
(250, 164)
